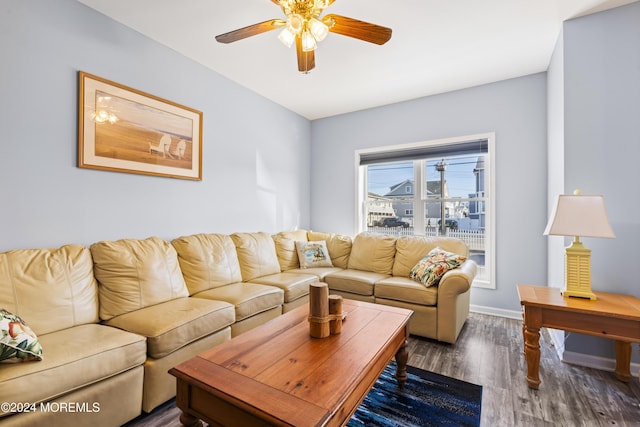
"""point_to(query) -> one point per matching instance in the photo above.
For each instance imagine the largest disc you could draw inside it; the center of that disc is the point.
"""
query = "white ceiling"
(437, 46)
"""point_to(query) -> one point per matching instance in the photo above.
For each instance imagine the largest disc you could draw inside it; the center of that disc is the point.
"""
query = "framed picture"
(125, 130)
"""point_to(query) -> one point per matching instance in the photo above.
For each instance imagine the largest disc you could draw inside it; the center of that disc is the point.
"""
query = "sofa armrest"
(453, 300)
(457, 281)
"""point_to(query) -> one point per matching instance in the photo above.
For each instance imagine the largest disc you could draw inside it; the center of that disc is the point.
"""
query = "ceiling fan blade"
(361, 30)
(306, 60)
(251, 30)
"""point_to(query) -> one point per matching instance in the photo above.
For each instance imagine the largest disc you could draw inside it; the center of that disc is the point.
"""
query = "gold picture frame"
(126, 130)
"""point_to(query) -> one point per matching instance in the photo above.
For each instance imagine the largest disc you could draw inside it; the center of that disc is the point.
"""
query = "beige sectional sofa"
(375, 268)
(113, 318)
(56, 293)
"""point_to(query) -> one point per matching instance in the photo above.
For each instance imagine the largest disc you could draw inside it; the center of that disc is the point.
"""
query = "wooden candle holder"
(335, 313)
(325, 311)
(319, 310)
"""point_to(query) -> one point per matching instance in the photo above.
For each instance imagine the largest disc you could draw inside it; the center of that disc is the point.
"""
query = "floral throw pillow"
(430, 269)
(313, 254)
(18, 343)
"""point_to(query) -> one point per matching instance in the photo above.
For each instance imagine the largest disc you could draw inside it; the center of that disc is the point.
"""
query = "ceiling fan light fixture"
(329, 21)
(295, 23)
(318, 29)
(305, 27)
(308, 41)
(286, 37)
(321, 4)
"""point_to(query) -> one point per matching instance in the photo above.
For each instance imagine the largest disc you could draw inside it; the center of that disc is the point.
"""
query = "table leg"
(188, 420)
(532, 352)
(402, 355)
(623, 361)
(524, 340)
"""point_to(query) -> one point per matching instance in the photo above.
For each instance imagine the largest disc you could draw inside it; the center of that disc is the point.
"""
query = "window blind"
(427, 151)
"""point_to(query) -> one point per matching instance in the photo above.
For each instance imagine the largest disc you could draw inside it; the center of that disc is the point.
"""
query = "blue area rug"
(427, 399)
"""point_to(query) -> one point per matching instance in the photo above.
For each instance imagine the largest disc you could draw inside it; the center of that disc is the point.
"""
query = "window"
(442, 187)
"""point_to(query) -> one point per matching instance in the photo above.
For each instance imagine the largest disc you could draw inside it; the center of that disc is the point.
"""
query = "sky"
(458, 174)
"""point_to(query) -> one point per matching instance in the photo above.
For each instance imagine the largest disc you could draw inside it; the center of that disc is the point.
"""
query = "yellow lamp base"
(579, 294)
(577, 271)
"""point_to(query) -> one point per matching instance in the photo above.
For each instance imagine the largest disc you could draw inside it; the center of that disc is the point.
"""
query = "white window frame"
(418, 210)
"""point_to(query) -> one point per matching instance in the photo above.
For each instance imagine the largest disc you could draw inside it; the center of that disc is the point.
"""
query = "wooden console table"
(611, 316)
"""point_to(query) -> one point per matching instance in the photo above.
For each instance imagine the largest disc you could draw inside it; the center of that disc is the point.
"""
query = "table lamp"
(578, 215)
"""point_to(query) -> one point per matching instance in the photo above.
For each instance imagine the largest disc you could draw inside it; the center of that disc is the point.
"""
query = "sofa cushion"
(173, 324)
(18, 343)
(133, 274)
(247, 299)
(313, 254)
(75, 357)
(53, 289)
(339, 246)
(430, 269)
(354, 281)
(406, 290)
(373, 252)
(286, 248)
(256, 254)
(293, 285)
(411, 249)
(207, 261)
(319, 272)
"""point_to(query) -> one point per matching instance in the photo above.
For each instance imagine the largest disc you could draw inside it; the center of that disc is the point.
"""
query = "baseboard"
(583, 359)
(499, 312)
(596, 362)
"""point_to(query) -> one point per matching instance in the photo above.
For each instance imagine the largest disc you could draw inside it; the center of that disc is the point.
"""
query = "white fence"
(473, 238)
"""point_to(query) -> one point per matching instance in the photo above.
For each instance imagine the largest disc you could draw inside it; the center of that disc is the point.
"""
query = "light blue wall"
(602, 142)
(555, 158)
(514, 109)
(255, 153)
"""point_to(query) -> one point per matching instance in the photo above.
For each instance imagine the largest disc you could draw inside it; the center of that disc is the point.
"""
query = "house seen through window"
(440, 188)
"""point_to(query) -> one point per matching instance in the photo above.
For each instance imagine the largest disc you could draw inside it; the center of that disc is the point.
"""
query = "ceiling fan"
(304, 26)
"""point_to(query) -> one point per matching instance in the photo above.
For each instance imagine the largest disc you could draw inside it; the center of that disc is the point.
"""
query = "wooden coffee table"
(277, 374)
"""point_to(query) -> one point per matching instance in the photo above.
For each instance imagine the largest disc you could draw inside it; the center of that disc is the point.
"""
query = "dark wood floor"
(489, 352)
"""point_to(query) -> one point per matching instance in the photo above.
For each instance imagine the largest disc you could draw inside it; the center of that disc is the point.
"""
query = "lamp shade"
(581, 215)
